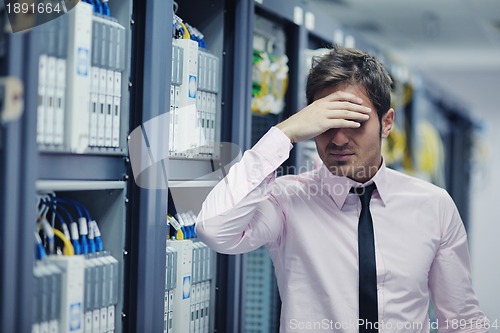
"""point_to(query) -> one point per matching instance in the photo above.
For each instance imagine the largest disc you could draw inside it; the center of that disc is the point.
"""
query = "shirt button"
(280, 154)
(254, 181)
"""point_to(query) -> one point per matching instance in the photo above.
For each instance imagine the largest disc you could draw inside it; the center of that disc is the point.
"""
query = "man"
(356, 247)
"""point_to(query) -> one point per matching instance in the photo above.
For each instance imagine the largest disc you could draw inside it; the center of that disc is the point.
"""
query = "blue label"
(186, 287)
(192, 86)
(82, 62)
(75, 316)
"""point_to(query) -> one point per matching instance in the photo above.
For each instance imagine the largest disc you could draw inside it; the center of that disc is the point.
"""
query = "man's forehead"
(355, 89)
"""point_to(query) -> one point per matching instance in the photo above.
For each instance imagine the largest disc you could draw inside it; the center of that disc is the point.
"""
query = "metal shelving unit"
(99, 178)
(18, 156)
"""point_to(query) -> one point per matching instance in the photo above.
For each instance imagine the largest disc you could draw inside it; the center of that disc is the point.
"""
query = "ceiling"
(426, 34)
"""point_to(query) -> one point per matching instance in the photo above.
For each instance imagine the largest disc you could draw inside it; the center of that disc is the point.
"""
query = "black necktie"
(368, 303)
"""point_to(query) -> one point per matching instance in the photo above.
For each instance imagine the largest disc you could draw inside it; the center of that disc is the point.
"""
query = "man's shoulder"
(301, 179)
(404, 182)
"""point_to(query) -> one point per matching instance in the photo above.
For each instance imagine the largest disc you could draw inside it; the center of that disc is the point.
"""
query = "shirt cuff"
(274, 146)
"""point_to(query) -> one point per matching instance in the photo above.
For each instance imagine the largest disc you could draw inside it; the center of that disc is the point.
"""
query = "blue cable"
(105, 8)
(40, 253)
(59, 218)
(54, 208)
(90, 2)
(94, 244)
(92, 247)
(88, 245)
(99, 246)
(97, 7)
(82, 210)
(78, 241)
(74, 203)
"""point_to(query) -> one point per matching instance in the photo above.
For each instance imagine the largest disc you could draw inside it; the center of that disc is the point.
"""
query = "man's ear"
(387, 121)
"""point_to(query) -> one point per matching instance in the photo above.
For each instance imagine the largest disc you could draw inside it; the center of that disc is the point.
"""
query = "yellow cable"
(179, 235)
(186, 34)
(68, 247)
(431, 154)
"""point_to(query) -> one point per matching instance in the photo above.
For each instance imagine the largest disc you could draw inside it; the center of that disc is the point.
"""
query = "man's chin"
(341, 169)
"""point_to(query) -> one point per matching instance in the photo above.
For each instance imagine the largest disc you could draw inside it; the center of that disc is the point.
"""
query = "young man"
(356, 247)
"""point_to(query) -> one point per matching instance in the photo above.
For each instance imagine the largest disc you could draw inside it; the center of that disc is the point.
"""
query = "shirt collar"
(338, 187)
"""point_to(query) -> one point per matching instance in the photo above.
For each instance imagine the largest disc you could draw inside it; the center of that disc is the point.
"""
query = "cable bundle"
(78, 232)
(182, 30)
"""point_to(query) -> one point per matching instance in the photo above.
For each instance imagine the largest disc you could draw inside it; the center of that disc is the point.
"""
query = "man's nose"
(340, 136)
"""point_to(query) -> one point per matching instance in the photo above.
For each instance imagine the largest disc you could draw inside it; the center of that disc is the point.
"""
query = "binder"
(192, 309)
(94, 106)
(165, 312)
(116, 122)
(175, 119)
(55, 296)
(204, 133)
(90, 266)
(108, 125)
(42, 95)
(119, 62)
(103, 310)
(212, 123)
(51, 96)
(171, 120)
(60, 102)
(113, 292)
(116, 109)
(101, 115)
(111, 57)
(78, 77)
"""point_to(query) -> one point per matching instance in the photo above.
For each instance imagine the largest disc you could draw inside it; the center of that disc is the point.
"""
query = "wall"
(481, 90)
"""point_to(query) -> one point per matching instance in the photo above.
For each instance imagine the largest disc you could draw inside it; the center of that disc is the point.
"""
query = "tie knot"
(364, 193)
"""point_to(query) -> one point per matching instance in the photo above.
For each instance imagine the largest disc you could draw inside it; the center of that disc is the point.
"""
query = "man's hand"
(337, 110)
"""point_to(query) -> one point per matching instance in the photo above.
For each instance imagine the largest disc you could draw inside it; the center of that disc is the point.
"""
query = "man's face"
(354, 152)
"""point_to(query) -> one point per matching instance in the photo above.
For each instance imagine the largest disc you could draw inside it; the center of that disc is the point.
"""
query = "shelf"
(78, 185)
(64, 166)
(192, 183)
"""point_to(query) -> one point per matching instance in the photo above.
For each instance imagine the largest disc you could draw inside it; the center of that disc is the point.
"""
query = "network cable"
(48, 231)
(176, 219)
(84, 223)
(73, 226)
(105, 8)
(40, 253)
(97, 7)
(68, 249)
(64, 223)
(57, 215)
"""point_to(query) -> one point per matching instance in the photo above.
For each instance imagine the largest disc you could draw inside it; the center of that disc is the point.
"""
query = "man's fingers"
(342, 105)
(347, 114)
(343, 123)
(343, 96)
(348, 106)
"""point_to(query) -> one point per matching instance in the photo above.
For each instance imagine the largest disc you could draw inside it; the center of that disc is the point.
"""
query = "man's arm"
(240, 214)
(457, 308)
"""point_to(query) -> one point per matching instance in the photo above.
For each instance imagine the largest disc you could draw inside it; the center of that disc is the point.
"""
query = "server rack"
(18, 155)
(142, 236)
(223, 25)
(98, 177)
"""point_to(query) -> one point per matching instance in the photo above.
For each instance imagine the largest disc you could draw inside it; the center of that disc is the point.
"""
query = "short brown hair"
(345, 65)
